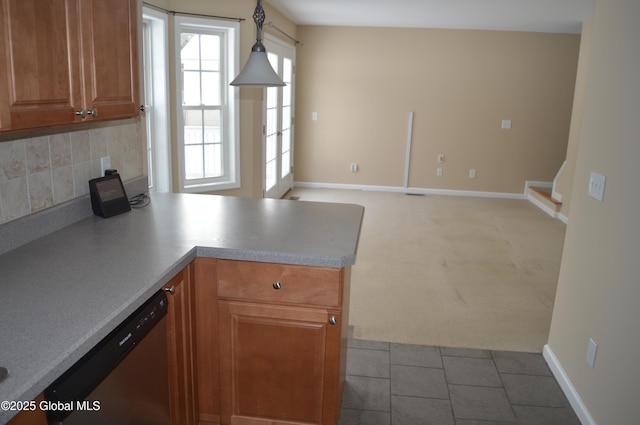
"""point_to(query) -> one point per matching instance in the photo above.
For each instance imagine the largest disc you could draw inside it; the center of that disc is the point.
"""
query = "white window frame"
(156, 102)
(231, 114)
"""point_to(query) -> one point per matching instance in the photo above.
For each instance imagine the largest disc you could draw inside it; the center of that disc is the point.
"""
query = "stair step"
(541, 197)
(545, 193)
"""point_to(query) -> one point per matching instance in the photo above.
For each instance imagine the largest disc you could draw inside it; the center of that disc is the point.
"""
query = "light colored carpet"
(452, 271)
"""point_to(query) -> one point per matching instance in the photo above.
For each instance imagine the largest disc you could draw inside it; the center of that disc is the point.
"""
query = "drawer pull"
(333, 320)
(277, 285)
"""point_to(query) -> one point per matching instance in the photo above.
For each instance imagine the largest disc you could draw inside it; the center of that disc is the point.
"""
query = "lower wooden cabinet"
(282, 333)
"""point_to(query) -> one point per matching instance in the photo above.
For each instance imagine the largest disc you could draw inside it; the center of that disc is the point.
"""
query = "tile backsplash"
(39, 172)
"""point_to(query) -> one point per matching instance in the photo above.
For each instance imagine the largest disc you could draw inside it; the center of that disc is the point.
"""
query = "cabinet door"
(110, 57)
(278, 364)
(181, 348)
(40, 76)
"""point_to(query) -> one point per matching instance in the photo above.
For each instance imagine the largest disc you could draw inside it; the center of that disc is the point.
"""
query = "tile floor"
(401, 384)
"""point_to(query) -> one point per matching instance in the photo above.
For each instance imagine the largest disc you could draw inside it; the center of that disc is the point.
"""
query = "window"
(208, 129)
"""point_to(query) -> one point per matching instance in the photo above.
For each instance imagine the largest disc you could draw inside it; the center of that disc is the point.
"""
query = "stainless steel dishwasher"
(123, 380)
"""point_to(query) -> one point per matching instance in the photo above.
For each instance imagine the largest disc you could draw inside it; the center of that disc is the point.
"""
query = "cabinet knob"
(93, 112)
(277, 285)
(333, 320)
(171, 289)
(82, 113)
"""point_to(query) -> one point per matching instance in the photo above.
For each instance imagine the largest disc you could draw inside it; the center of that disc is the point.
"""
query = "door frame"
(274, 44)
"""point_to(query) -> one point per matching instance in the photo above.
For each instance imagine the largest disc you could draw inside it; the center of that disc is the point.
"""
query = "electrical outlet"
(592, 350)
(506, 124)
(441, 158)
(472, 173)
(354, 167)
(439, 172)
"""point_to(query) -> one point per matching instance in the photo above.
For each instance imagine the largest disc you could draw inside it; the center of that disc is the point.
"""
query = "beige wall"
(564, 184)
(364, 82)
(599, 285)
(250, 98)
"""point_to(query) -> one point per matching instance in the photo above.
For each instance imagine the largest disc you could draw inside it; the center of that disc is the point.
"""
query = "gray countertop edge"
(275, 257)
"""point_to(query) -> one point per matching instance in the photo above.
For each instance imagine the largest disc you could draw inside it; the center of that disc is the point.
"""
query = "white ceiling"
(564, 16)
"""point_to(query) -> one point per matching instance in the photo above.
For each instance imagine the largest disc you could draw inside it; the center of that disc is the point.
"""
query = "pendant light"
(258, 71)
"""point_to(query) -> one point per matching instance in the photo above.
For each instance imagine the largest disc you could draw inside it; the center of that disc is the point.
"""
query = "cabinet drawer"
(279, 283)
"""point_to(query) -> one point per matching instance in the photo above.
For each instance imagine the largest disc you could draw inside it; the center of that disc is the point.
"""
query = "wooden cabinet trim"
(206, 328)
(181, 349)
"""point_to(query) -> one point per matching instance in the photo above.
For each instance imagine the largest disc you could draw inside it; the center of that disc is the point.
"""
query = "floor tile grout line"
(390, 395)
(423, 398)
(446, 384)
(367, 376)
(506, 394)
(474, 385)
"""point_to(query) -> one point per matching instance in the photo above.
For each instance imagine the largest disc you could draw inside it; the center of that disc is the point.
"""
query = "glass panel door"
(279, 121)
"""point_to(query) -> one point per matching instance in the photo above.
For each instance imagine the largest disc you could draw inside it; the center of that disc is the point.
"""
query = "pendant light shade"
(258, 71)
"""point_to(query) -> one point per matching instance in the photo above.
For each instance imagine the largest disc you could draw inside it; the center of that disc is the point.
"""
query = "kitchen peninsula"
(62, 293)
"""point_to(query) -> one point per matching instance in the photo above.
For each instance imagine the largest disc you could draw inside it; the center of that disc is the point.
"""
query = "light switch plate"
(596, 186)
(592, 351)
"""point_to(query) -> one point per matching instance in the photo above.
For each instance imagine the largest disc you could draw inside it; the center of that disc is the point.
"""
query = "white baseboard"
(563, 218)
(529, 183)
(567, 387)
(542, 206)
(555, 195)
(411, 190)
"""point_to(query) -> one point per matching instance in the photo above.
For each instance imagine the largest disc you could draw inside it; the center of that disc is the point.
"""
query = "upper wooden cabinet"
(110, 57)
(40, 73)
(67, 61)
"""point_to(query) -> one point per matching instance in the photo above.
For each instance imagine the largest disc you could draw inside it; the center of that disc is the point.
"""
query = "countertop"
(62, 293)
